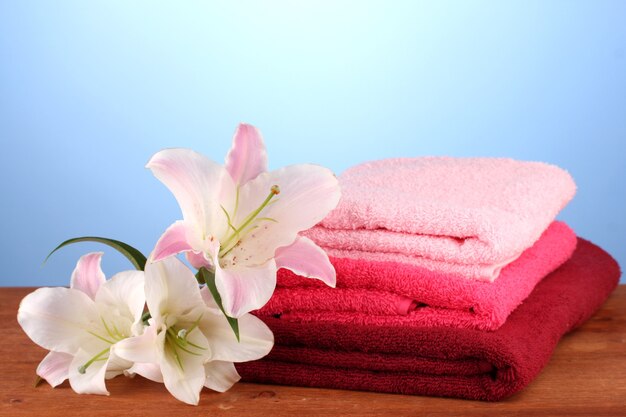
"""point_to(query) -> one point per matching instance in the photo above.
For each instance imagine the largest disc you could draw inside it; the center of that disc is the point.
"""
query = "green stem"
(207, 277)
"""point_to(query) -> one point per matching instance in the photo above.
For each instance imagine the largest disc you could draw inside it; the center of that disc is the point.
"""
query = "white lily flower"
(242, 222)
(189, 343)
(81, 324)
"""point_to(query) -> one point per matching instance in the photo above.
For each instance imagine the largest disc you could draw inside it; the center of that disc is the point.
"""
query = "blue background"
(90, 90)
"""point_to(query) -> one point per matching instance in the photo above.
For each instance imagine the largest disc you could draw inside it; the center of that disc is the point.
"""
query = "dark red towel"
(442, 361)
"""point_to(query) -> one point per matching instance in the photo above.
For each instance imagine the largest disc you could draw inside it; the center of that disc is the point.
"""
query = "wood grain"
(586, 377)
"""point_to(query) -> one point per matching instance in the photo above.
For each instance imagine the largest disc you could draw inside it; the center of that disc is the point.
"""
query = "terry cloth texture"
(467, 216)
(372, 292)
(442, 361)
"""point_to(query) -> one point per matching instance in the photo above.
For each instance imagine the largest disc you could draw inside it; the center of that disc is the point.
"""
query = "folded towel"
(469, 216)
(442, 361)
(372, 292)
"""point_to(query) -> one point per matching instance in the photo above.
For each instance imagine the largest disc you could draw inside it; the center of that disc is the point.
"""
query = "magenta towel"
(469, 216)
(372, 292)
(442, 361)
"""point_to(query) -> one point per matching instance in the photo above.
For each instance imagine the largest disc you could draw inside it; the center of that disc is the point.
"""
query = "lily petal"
(247, 157)
(303, 257)
(92, 381)
(54, 368)
(139, 349)
(88, 276)
(198, 260)
(116, 366)
(150, 371)
(172, 242)
(220, 376)
(256, 338)
(171, 288)
(307, 194)
(58, 319)
(123, 295)
(201, 187)
(245, 289)
(184, 377)
(209, 301)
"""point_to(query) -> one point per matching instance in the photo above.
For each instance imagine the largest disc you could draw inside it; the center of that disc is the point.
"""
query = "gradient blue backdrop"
(90, 90)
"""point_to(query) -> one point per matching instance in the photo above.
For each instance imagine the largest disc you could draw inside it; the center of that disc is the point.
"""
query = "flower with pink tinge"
(242, 222)
(188, 343)
(81, 325)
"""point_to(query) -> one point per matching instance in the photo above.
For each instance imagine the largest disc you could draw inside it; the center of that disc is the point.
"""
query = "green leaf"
(132, 254)
(208, 277)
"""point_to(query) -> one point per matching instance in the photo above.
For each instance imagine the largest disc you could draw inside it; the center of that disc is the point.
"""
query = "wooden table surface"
(586, 377)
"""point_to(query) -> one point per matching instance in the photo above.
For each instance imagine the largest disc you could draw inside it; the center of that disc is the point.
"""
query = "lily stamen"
(274, 191)
(83, 368)
(195, 323)
(114, 333)
(178, 340)
(104, 339)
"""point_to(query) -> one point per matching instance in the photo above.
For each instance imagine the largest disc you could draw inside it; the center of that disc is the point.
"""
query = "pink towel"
(467, 216)
(382, 293)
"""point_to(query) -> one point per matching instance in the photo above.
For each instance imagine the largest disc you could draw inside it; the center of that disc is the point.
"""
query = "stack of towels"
(453, 279)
